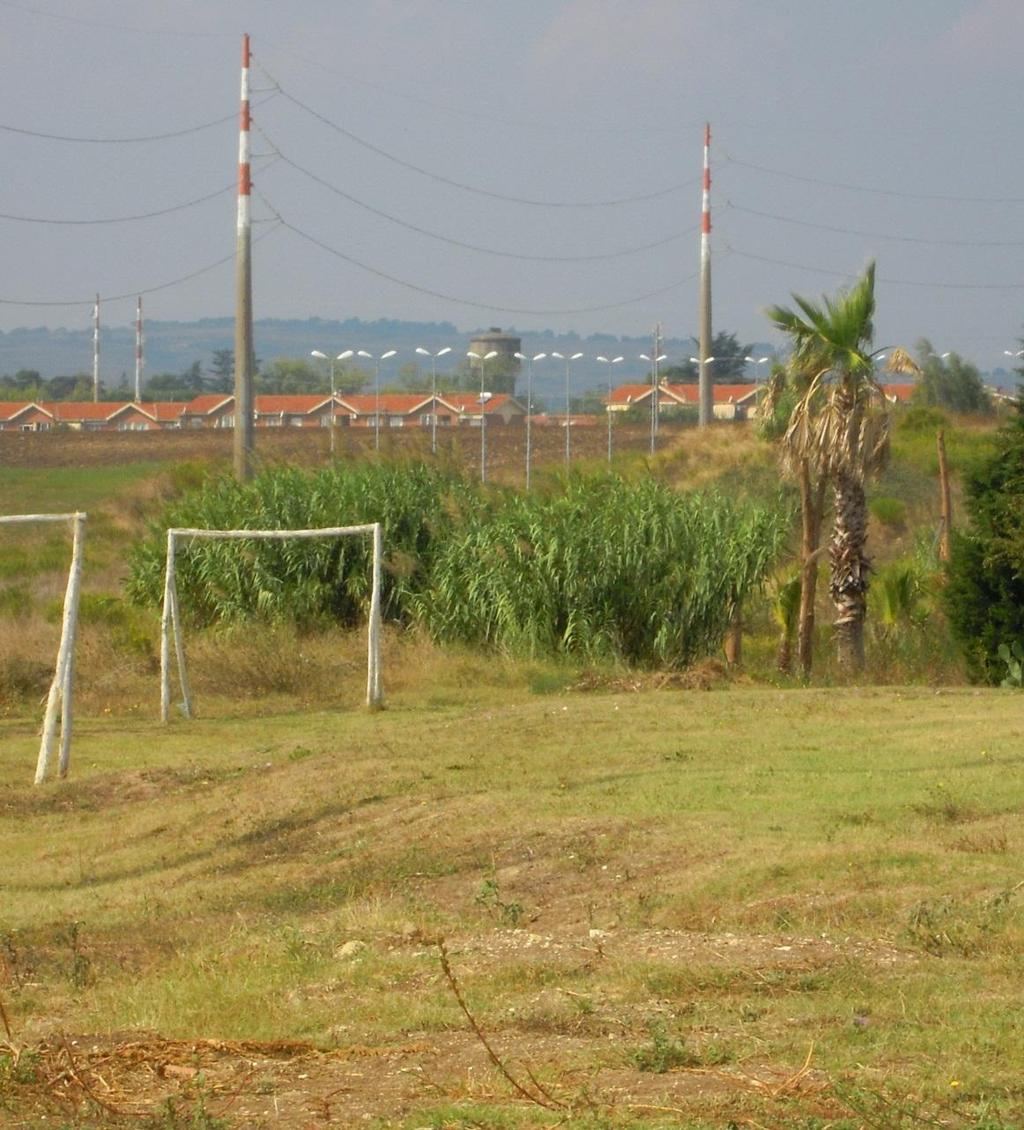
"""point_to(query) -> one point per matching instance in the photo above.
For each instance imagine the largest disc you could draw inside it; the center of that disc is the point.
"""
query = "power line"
(492, 119)
(138, 290)
(876, 235)
(882, 279)
(876, 191)
(639, 198)
(120, 219)
(18, 6)
(468, 301)
(462, 243)
(130, 140)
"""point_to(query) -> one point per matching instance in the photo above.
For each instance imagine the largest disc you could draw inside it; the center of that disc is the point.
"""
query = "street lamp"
(1010, 353)
(609, 361)
(567, 360)
(376, 391)
(654, 362)
(323, 357)
(484, 397)
(433, 390)
(529, 403)
(756, 361)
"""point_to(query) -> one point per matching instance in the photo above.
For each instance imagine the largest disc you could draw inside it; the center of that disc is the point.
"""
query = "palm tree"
(839, 433)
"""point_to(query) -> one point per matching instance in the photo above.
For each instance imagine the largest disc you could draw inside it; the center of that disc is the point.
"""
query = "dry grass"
(743, 871)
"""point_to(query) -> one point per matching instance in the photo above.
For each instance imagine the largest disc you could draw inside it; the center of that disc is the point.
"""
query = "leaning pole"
(244, 351)
(706, 409)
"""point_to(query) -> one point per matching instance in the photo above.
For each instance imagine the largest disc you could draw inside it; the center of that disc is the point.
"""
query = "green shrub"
(890, 512)
(984, 596)
(599, 569)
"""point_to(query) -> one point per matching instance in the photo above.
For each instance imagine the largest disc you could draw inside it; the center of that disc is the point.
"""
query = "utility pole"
(244, 351)
(706, 411)
(656, 359)
(138, 350)
(96, 351)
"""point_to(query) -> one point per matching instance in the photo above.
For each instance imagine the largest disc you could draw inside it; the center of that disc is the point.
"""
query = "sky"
(519, 163)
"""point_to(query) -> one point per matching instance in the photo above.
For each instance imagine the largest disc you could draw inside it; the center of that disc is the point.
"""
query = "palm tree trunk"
(812, 498)
(850, 567)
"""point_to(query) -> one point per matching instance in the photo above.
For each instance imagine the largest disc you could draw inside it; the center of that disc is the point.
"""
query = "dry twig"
(543, 1098)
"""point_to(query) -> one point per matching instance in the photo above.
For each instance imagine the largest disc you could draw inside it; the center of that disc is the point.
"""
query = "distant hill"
(171, 347)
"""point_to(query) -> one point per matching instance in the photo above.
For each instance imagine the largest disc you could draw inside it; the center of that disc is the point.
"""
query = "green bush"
(984, 596)
(890, 512)
(600, 569)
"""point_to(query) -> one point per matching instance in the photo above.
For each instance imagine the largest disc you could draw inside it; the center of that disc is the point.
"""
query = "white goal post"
(60, 695)
(170, 620)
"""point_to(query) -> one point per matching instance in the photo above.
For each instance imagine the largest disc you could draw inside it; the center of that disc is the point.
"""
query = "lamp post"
(484, 397)
(529, 403)
(568, 360)
(433, 390)
(654, 361)
(376, 391)
(323, 357)
(609, 361)
(1010, 353)
(756, 361)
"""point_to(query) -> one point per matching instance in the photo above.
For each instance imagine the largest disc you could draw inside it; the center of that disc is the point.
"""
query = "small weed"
(171, 1116)
(983, 843)
(79, 968)
(489, 895)
(19, 1069)
(662, 1052)
(944, 926)
(300, 753)
(943, 805)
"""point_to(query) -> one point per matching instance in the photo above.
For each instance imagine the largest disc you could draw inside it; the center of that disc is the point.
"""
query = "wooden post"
(945, 527)
(67, 692)
(374, 692)
(165, 643)
(64, 669)
(179, 650)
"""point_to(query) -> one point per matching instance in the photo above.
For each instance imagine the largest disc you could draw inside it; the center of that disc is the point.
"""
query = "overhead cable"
(462, 243)
(638, 198)
(876, 191)
(468, 301)
(881, 278)
(121, 219)
(131, 140)
(876, 235)
(139, 290)
(545, 126)
(185, 33)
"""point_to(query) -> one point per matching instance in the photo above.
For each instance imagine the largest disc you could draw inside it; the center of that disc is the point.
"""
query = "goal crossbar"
(60, 696)
(170, 620)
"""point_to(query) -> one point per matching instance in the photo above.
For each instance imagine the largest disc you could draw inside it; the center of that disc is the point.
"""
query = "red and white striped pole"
(96, 350)
(138, 351)
(706, 407)
(244, 352)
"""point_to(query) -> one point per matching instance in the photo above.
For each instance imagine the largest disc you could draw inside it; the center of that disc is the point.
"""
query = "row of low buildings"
(387, 410)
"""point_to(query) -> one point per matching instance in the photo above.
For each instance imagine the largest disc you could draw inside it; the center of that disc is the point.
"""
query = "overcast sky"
(841, 131)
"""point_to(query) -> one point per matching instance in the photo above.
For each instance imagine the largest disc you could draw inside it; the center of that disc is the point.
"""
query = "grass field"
(525, 895)
(674, 907)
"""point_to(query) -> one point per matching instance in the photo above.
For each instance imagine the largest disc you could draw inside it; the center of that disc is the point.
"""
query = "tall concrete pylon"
(244, 351)
(706, 413)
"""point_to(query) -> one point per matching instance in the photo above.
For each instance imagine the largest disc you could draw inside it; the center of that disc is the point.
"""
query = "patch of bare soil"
(144, 1079)
(139, 1080)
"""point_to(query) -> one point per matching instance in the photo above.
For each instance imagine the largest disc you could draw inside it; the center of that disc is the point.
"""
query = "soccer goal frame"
(170, 619)
(60, 697)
